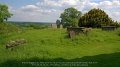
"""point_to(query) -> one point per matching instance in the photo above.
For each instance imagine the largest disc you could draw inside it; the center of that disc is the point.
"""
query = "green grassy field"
(53, 45)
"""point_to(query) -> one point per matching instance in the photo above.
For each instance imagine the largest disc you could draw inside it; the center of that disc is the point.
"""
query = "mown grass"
(54, 43)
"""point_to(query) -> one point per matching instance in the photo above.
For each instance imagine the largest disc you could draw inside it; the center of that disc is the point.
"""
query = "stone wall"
(109, 28)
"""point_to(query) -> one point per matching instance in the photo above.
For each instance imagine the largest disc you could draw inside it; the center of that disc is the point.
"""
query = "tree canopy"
(95, 18)
(58, 22)
(70, 17)
(4, 13)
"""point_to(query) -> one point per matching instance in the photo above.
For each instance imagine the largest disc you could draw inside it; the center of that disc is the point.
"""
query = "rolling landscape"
(77, 39)
(99, 46)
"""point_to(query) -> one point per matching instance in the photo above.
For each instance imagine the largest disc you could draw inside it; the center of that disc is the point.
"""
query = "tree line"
(71, 17)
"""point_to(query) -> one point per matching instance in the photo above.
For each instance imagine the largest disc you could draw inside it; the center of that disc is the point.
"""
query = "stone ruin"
(14, 43)
(53, 25)
(73, 31)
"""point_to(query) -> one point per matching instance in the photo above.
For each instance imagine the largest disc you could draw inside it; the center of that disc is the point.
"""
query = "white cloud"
(49, 10)
(30, 7)
(106, 3)
(58, 2)
(48, 3)
(34, 13)
(69, 2)
(116, 2)
(114, 15)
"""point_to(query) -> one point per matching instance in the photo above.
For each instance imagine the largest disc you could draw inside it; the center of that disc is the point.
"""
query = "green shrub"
(118, 31)
(6, 28)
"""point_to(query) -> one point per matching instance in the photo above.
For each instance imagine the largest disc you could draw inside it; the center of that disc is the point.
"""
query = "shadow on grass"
(103, 60)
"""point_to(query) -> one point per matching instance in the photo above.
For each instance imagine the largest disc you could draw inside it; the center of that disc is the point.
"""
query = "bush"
(95, 18)
(118, 31)
(6, 28)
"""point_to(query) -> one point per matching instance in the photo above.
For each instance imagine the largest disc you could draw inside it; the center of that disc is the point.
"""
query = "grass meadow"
(98, 46)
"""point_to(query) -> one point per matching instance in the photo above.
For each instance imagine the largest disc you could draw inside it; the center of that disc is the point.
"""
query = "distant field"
(54, 45)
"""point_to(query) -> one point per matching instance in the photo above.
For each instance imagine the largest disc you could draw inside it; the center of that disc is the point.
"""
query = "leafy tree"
(58, 23)
(70, 17)
(117, 24)
(4, 13)
(95, 18)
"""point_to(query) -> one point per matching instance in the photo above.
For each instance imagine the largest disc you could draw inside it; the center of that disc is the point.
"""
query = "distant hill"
(31, 22)
(20, 23)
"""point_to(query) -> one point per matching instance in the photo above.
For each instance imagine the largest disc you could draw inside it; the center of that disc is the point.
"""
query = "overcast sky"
(50, 10)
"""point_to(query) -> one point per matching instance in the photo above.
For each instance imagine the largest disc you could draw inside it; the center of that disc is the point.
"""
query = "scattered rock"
(86, 30)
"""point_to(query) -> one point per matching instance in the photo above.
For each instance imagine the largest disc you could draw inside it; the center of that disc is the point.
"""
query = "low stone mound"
(14, 43)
